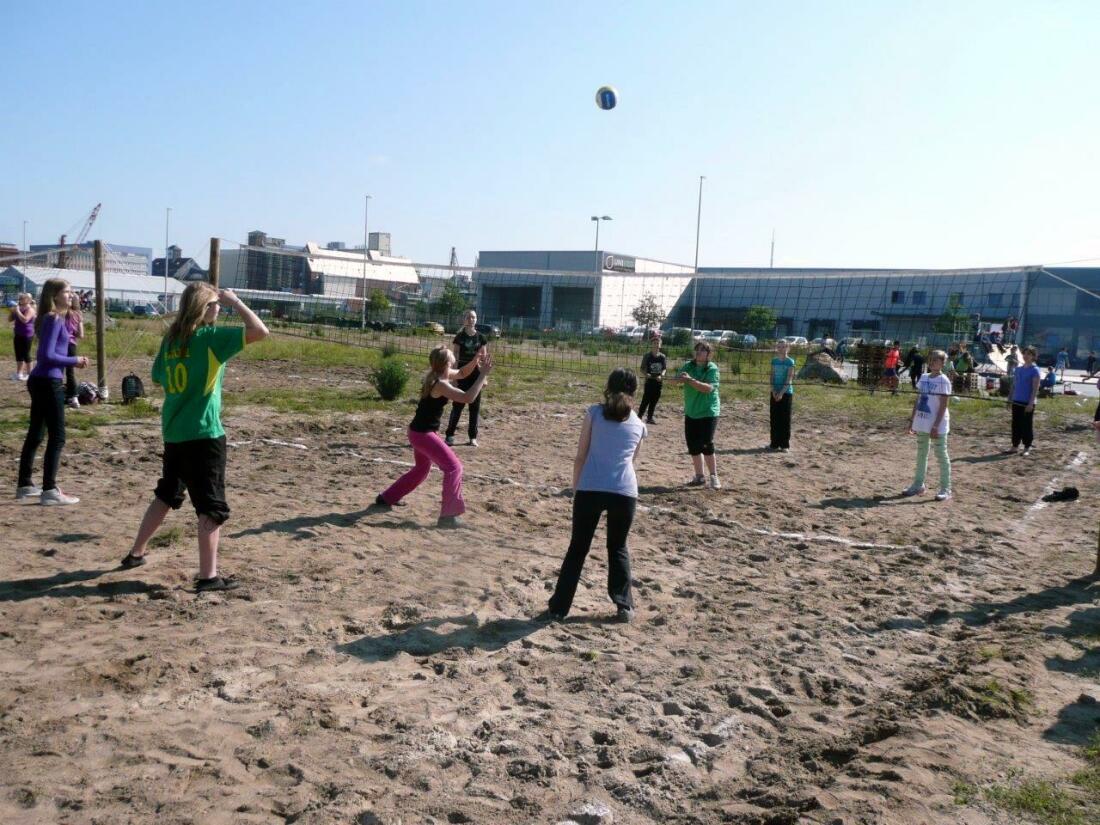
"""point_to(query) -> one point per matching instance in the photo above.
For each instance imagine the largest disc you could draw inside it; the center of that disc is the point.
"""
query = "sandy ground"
(808, 648)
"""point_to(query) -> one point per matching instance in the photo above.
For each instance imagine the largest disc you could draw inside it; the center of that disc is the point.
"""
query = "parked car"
(796, 340)
(434, 326)
(394, 326)
(147, 310)
(720, 336)
(488, 330)
(698, 334)
(745, 340)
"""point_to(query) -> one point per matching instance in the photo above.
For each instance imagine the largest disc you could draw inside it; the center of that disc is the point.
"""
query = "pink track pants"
(429, 449)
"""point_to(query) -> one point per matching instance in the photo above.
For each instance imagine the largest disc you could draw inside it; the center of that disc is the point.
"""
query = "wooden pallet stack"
(869, 372)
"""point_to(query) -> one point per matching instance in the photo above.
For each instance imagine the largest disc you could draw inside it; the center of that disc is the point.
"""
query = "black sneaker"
(449, 523)
(550, 617)
(698, 481)
(381, 503)
(216, 584)
(625, 615)
(130, 561)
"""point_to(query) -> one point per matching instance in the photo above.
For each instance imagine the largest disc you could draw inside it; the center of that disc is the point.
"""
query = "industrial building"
(122, 289)
(572, 290)
(135, 260)
(269, 264)
(903, 304)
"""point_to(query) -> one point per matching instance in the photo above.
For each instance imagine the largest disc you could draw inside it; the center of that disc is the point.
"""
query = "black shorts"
(197, 467)
(699, 434)
(22, 349)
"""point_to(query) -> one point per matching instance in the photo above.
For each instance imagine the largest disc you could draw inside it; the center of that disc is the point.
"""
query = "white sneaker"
(473, 442)
(943, 495)
(1027, 451)
(74, 402)
(450, 440)
(28, 495)
(914, 491)
(21, 377)
(715, 484)
(17, 376)
(55, 496)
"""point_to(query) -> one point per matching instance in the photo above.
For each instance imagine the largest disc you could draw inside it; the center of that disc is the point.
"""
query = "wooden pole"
(215, 262)
(100, 322)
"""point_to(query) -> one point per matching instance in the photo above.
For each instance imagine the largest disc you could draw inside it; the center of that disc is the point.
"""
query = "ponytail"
(618, 397)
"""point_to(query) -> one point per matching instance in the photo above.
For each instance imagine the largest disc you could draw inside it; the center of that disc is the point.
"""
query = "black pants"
(22, 349)
(47, 415)
(456, 408)
(699, 435)
(70, 375)
(650, 397)
(1023, 428)
(780, 417)
(198, 468)
(587, 507)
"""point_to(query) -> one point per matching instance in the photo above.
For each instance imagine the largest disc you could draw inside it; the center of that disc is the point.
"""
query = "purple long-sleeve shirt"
(53, 349)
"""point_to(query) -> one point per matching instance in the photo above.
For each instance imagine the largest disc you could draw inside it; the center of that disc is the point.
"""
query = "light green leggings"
(941, 456)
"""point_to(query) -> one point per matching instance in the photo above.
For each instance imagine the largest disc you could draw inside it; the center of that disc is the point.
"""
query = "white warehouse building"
(572, 290)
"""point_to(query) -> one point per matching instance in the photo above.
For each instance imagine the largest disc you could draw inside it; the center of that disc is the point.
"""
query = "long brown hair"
(45, 300)
(192, 309)
(618, 396)
(439, 361)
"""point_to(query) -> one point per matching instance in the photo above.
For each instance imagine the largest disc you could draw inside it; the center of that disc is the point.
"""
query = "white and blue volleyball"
(607, 97)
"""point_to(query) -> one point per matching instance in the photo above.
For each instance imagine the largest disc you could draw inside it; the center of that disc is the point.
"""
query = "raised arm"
(453, 393)
(254, 329)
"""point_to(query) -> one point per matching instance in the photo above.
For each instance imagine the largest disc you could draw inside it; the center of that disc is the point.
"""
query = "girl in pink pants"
(428, 447)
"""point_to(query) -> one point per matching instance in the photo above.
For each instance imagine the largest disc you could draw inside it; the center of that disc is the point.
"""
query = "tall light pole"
(597, 219)
(167, 216)
(695, 280)
(25, 251)
(366, 243)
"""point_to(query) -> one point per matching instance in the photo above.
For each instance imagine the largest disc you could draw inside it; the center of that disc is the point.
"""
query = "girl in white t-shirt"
(930, 421)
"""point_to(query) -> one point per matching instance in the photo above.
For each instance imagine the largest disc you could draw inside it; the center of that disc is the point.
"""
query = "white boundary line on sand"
(1039, 504)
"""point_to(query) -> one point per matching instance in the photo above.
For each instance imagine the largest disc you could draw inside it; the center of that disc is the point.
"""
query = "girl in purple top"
(48, 397)
(74, 323)
(22, 318)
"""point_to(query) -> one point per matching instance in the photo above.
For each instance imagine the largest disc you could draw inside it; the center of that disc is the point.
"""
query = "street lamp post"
(597, 219)
(167, 216)
(25, 259)
(695, 279)
(366, 239)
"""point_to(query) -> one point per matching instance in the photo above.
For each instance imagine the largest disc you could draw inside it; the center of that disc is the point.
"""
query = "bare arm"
(1034, 392)
(453, 393)
(938, 420)
(254, 329)
(582, 450)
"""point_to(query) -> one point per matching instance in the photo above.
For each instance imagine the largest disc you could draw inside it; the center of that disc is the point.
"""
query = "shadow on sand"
(66, 584)
(436, 635)
(299, 525)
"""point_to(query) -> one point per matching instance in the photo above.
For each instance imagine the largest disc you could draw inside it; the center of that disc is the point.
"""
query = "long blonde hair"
(439, 360)
(192, 309)
(46, 300)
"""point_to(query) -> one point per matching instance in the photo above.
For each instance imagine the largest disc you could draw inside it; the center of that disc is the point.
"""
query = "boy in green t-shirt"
(189, 366)
(702, 406)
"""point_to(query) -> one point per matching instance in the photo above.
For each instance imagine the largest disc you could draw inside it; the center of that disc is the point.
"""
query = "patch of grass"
(138, 408)
(167, 537)
(989, 652)
(311, 353)
(1040, 799)
(963, 792)
(590, 655)
(314, 400)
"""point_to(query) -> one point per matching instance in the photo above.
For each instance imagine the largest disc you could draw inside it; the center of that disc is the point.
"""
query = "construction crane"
(62, 253)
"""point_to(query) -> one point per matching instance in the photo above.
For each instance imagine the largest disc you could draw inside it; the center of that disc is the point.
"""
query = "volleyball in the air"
(607, 97)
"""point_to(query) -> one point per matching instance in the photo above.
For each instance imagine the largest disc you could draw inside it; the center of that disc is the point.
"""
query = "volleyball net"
(840, 323)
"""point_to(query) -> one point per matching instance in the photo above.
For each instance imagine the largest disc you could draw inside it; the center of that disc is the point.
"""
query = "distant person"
(190, 365)
(914, 362)
(654, 366)
(468, 345)
(1011, 327)
(48, 398)
(1050, 381)
(782, 398)
(604, 480)
(702, 406)
(1090, 365)
(74, 322)
(1061, 361)
(890, 367)
(930, 422)
(1025, 389)
(1012, 360)
(22, 320)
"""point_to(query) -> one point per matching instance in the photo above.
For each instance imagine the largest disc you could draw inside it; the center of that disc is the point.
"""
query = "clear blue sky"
(866, 133)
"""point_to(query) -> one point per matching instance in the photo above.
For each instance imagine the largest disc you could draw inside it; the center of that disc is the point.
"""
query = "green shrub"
(388, 350)
(590, 349)
(679, 338)
(390, 378)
